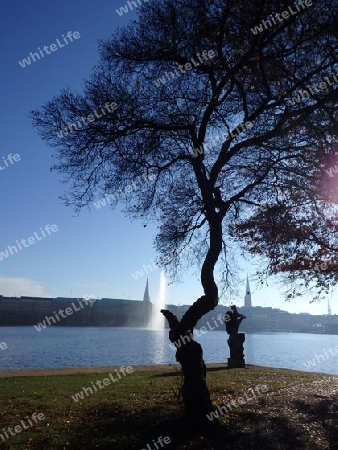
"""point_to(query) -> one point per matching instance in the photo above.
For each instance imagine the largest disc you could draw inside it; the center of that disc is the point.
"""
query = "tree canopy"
(228, 111)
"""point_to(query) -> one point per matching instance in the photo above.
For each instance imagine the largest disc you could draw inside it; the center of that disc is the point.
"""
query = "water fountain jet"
(157, 320)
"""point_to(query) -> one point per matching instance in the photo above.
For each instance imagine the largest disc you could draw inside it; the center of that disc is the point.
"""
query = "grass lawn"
(137, 409)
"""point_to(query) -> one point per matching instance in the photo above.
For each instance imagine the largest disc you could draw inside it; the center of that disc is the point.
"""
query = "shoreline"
(8, 373)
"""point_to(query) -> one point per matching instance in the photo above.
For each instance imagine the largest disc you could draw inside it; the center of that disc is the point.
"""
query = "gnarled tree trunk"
(189, 353)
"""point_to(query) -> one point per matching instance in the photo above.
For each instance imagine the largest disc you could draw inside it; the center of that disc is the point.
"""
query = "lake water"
(56, 347)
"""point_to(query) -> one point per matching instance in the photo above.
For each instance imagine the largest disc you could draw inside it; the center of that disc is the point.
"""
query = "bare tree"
(222, 104)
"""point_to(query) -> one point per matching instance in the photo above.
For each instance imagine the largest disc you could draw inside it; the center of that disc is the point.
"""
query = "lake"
(58, 347)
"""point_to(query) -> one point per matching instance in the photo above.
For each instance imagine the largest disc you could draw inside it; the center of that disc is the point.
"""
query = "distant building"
(53, 311)
(121, 313)
(137, 313)
(247, 298)
(266, 319)
(146, 296)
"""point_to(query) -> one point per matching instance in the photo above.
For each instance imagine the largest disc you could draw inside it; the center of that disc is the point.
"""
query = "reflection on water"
(157, 341)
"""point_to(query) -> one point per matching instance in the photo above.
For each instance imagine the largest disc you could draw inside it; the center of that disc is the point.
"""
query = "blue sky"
(96, 252)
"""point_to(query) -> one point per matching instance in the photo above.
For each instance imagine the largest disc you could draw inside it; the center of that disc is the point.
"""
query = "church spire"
(146, 297)
(247, 298)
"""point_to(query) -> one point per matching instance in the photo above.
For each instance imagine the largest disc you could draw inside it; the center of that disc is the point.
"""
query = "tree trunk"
(195, 393)
(189, 353)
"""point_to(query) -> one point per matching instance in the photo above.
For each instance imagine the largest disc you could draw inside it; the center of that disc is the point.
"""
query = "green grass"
(127, 414)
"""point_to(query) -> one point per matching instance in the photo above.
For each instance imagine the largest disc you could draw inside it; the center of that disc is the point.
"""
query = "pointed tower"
(247, 298)
(329, 313)
(146, 297)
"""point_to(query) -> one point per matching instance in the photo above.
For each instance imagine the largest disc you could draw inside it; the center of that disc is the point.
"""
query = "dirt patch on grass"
(299, 417)
(83, 370)
(79, 370)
